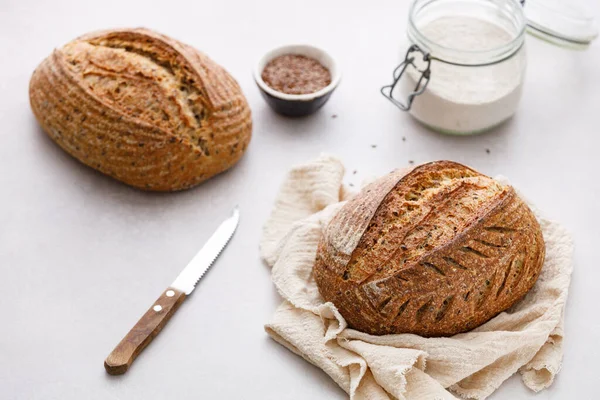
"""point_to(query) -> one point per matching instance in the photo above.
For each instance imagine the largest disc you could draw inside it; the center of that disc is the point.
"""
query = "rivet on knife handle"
(151, 323)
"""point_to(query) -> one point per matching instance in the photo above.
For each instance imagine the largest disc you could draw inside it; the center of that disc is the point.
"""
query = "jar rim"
(460, 56)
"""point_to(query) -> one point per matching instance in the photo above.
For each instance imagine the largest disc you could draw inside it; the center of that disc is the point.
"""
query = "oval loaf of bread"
(141, 107)
(435, 251)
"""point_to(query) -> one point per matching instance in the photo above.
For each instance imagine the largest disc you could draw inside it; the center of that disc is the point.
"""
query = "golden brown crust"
(141, 107)
(437, 251)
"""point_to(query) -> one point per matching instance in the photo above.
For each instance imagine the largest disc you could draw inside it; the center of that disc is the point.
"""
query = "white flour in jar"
(463, 99)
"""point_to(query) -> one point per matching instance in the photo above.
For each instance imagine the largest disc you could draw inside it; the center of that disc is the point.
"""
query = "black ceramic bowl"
(297, 105)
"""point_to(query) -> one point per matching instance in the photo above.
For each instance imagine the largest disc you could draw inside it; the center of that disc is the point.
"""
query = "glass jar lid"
(560, 21)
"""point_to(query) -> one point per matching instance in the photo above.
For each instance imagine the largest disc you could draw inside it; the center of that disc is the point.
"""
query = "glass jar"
(464, 69)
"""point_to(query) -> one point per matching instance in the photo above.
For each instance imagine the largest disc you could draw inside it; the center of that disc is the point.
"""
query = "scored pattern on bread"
(142, 108)
(442, 252)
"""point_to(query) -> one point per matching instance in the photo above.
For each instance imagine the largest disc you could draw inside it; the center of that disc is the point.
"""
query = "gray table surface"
(83, 256)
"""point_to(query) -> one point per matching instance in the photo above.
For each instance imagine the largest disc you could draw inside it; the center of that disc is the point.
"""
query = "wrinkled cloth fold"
(526, 338)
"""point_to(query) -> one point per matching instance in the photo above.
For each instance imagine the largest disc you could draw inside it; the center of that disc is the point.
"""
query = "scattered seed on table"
(411, 162)
(403, 139)
(351, 184)
(487, 151)
(354, 172)
(373, 145)
(334, 116)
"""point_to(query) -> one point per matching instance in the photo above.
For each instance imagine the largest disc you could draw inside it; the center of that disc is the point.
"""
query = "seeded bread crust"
(143, 108)
(436, 251)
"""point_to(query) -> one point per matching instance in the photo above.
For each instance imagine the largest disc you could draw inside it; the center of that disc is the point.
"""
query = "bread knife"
(152, 322)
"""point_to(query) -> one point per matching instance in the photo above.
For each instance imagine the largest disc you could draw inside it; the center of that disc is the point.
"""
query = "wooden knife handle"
(140, 336)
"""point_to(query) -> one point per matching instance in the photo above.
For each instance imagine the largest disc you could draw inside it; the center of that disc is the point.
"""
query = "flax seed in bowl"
(296, 74)
(297, 80)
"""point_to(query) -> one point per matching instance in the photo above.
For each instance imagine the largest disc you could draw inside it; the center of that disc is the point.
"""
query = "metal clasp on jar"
(409, 59)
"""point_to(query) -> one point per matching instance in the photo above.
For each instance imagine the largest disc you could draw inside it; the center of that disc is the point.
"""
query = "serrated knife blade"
(187, 279)
(152, 322)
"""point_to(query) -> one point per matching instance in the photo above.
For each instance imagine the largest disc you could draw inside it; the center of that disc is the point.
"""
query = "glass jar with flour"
(464, 68)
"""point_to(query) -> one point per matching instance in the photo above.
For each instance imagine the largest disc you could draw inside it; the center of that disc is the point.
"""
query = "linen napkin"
(526, 338)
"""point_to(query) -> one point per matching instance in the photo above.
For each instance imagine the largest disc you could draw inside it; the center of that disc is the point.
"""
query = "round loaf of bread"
(435, 251)
(141, 107)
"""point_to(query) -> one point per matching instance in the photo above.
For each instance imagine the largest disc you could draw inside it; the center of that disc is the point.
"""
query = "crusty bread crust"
(141, 107)
(436, 251)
